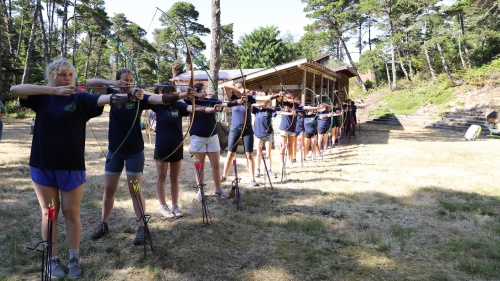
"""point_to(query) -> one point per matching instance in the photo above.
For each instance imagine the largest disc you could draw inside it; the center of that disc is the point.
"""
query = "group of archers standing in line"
(303, 128)
(57, 164)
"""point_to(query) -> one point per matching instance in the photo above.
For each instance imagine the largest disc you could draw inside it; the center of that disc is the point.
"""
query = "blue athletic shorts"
(133, 162)
(64, 180)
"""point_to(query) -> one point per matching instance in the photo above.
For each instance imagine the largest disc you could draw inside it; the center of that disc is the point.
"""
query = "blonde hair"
(55, 67)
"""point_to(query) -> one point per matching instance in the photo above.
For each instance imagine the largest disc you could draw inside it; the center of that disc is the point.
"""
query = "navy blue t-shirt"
(310, 124)
(299, 128)
(120, 123)
(351, 111)
(238, 113)
(204, 124)
(169, 123)
(60, 125)
(262, 121)
(323, 124)
(288, 122)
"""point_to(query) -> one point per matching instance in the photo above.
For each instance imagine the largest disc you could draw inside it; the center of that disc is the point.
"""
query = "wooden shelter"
(309, 79)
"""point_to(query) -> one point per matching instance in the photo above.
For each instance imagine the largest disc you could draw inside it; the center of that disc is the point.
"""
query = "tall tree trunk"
(50, 16)
(407, 55)
(64, 37)
(74, 34)
(1, 63)
(87, 60)
(20, 37)
(431, 69)
(388, 74)
(360, 36)
(31, 44)
(342, 42)
(215, 57)
(464, 65)
(8, 23)
(445, 65)
(98, 62)
(370, 32)
(44, 34)
(393, 54)
(402, 64)
(462, 32)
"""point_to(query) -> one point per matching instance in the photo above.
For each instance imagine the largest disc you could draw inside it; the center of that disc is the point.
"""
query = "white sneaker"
(165, 211)
(177, 212)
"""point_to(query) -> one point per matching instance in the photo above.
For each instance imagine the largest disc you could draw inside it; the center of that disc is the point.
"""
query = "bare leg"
(252, 164)
(161, 169)
(70, 206)
(228, 163)
(175, 172)
(108, 197)
(214, 158)
(45, 196)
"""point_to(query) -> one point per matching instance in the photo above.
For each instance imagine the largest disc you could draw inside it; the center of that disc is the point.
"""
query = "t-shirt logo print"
(129, 105)
(70, 107)
(175, 113)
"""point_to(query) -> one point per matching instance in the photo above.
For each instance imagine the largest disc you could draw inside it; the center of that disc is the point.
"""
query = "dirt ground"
(385, 176)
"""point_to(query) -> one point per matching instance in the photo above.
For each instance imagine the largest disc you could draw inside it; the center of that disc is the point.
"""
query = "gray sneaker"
(221, 193)
(254, 182)
(140, 236)
(75, 270)
(272, 175)
(99, 231)
(54, 268)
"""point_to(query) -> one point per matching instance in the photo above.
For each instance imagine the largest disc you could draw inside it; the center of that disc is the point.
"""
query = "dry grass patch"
(392, 204)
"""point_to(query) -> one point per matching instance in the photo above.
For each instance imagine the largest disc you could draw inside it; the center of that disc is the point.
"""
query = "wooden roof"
(290, 75)
(346, 70)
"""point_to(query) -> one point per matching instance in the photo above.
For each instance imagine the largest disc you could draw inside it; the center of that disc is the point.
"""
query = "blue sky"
(246, 16)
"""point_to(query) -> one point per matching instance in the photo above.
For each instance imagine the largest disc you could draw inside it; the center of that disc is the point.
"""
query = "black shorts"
(310, 135)
(162, 152)
(322, 131)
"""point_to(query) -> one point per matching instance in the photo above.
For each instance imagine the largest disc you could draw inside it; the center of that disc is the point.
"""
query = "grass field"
(392, 204)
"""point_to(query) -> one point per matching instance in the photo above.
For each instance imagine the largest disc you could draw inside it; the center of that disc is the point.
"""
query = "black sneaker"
(99, 231)
(140, 236)
(75, 270)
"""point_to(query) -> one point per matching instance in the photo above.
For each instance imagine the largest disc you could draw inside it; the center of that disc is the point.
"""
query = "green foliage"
(368, 84)
(11, 106)
(264, 48)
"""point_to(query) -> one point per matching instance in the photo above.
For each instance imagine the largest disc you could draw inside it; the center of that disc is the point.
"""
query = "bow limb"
(191, 83)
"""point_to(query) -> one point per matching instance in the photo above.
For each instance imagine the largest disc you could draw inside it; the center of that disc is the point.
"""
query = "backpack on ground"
(473, 132)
